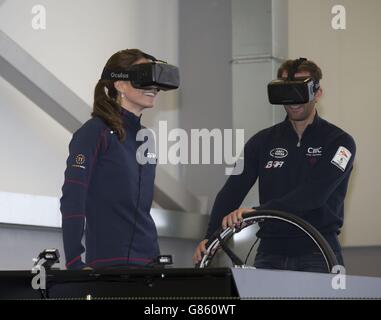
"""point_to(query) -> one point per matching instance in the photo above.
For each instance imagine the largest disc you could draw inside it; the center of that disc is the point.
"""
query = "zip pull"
(298, 145)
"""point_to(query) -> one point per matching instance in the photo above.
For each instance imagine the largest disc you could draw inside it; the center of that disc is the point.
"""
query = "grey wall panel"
(205, 51)
(363, 261)
(251, 27)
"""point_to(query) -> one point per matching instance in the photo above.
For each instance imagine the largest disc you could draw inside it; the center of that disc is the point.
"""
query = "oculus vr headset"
(292, 91)
(156, 74)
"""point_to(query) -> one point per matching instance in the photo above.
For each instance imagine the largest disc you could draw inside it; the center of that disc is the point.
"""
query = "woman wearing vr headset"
(106, 191)
(303, 165)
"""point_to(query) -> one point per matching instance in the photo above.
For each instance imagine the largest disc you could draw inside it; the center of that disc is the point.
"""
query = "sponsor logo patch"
(341, 158)
(274, 164)
(279, 153)
(314, 152)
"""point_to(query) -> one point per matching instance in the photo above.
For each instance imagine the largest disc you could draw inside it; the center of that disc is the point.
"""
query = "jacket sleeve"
(84, 150)
(236, 187)
(334, 167)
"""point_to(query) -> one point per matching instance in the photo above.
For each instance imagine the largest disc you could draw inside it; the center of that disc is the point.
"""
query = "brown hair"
(105, 104)
(307, 66)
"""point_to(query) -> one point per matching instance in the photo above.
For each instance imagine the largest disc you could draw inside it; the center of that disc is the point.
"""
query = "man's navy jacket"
(107, 193)
(307, 177)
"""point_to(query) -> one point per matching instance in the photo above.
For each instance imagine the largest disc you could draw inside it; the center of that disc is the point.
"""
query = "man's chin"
(296, 118)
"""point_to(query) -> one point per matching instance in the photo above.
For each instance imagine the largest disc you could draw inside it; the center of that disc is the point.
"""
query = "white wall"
(79, 38)
(350, 60)
(81, 35)
(33, 146)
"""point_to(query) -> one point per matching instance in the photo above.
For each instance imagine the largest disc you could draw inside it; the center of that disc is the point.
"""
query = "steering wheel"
(221, 236)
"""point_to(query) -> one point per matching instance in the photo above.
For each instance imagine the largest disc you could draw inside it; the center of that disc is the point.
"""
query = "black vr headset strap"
(294, 68)
(116, 75)
(126, 75)
(316, 86)
(149, 57)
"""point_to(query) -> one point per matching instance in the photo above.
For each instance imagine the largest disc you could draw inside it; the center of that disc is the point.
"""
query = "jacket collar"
(130, 118)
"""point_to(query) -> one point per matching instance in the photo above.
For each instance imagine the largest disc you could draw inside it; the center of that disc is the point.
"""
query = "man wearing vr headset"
(106, 191)
(303, 165)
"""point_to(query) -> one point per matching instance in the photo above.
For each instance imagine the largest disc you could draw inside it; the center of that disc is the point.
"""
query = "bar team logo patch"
(80, 160)
(341, 158)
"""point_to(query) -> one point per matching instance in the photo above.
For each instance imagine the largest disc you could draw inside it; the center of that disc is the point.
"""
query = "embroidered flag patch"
(341, 158)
